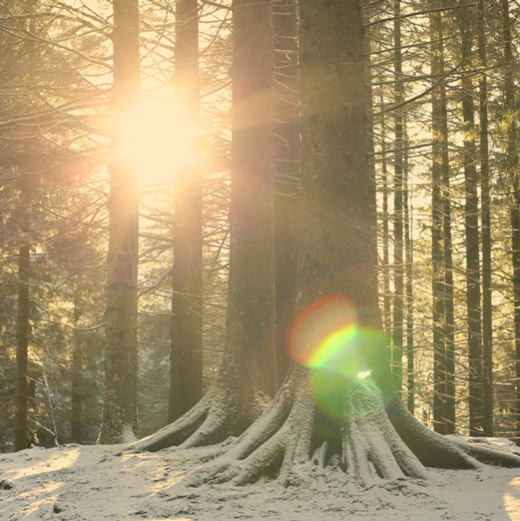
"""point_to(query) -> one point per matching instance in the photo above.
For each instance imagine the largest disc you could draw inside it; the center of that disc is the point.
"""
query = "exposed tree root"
(294, 433)
(362, 437)
(435, 450)
(209, 422)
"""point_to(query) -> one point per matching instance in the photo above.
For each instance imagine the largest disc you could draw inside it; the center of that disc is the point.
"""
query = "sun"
(159, 140)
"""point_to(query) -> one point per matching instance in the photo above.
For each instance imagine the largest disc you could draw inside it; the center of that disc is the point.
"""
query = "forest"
(287, 231)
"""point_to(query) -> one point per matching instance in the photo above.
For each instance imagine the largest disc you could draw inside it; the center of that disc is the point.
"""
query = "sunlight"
(158, 138)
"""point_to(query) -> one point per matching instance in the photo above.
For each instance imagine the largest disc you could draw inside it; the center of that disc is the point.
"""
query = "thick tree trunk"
(338, 405)
(22, 437)
(248, 374)
(186, 323)
(120, 403)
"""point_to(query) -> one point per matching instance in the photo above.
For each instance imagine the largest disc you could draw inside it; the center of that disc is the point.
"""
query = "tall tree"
(120, 402)
(471, 215)
(438, 278)
(248, 372)
(186, 323)
(397, 330)
(514, 179)
(487, 297)
(286, 168)
(339, 403)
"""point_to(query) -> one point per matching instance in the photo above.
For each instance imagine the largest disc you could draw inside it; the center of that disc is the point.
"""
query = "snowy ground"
(94, 483)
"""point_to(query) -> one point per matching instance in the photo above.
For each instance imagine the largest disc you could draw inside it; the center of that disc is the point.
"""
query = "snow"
(94, 483)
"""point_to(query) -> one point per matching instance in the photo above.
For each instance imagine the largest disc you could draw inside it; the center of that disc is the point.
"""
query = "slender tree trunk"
(438, 275)
(22, 437)
(472, 237)
(387, 304)
(286, 168)
(487, 298)
(186, 323)
(120, 404)
(397, 343)
(512, 165)
(410, 308)
(77, 384)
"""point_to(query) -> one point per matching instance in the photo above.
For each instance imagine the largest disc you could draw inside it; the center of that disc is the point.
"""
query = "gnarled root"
(295, 433)
(211, 421)
(435, 450)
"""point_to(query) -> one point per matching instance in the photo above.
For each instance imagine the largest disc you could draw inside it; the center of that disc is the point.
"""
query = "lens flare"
(328, 339)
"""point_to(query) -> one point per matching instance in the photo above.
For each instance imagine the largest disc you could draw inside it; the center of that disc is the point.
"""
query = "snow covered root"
(294, 433)
(209, 422)
(435, 450)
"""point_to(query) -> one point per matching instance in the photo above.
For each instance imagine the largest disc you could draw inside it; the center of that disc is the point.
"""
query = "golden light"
(158, 139)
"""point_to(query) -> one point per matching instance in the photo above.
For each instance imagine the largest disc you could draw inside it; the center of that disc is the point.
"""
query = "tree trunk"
(472, 236)
(286, 169)
(120, 404)
(22, 437)
(397, 337)
(77, 384)
(512, 167)
(186, 323)
(487, 297)
(410, 307)
(338, 405)
(438, 275)
(248, 374)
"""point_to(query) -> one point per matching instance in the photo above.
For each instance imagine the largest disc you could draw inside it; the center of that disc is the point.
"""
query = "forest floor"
(94, 483)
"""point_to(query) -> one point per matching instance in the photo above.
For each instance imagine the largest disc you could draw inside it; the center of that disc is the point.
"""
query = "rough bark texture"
(120, 403)
(186, 323)
(286, 169)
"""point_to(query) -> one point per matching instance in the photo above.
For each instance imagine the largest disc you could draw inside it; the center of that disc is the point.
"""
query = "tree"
(186, 323)
(512, 133)
(474, 314)
(487, 304)
(248, 371)
(120, 403)
(338, 404)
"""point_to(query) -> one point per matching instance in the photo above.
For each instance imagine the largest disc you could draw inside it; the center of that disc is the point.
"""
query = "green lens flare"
(328, 339)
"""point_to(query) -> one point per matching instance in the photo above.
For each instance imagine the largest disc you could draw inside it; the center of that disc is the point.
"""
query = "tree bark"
(438, 275)
(248, 373)
(471, 213)
(397, 336)
(286, 169)
(120, 404)
(487, 296)
(186, 323)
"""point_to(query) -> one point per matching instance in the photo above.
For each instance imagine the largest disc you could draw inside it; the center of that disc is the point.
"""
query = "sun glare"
(158, 139)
